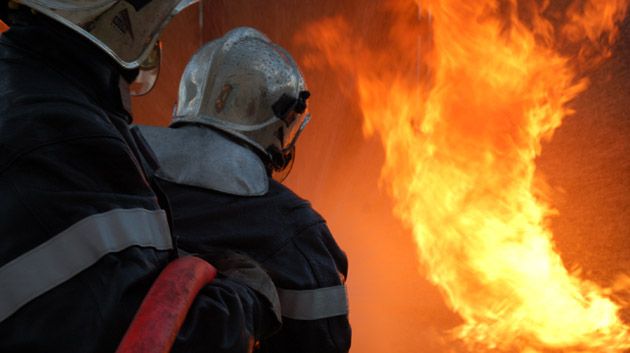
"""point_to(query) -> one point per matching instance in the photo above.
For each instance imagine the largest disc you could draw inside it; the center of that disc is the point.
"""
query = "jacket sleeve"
(237, 309)
(310, 275)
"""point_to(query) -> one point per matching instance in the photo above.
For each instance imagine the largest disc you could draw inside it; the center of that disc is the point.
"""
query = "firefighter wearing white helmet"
(83, 234)
(242, 106)
(250, 88)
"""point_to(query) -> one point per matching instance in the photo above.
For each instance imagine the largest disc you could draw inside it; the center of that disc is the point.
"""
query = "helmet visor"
(148, 74)
(296, 123)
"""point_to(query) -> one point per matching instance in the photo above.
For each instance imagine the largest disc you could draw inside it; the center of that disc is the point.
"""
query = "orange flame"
(461, 97)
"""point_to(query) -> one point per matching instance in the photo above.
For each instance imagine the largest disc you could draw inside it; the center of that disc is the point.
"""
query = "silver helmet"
(127, 30)
(250, 88)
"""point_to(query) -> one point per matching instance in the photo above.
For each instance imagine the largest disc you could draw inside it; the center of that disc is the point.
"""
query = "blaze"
(462, 96)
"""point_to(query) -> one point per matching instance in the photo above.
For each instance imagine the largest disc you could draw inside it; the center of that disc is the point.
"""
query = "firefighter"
(83, 235)
(242, 105)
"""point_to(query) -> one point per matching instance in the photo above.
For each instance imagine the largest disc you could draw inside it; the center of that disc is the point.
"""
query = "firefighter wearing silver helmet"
(248, 87)
(241, 108)
(83, 234)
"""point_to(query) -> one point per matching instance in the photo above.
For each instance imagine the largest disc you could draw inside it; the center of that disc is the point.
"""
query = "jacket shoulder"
(37, 108)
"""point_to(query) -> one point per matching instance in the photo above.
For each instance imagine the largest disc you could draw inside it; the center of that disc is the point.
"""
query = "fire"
(461, 97)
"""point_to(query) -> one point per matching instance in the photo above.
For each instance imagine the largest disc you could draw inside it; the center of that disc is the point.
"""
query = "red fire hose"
(163, 310)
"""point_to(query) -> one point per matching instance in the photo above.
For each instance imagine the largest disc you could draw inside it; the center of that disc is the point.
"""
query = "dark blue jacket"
(286, 236)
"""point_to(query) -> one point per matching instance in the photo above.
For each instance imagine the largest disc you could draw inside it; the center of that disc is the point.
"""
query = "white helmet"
(127, 30)
(250, 88)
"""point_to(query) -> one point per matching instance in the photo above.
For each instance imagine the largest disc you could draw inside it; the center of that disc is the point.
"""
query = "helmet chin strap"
(288, 158)
(280, 159)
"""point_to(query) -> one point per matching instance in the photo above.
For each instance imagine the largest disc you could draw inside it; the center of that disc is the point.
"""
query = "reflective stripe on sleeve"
(313, 304)
(77, 248)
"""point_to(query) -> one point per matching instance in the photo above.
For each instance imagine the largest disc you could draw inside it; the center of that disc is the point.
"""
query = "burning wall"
(456, 100)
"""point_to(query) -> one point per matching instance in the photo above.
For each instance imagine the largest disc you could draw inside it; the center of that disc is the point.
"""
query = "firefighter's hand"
(243, 269)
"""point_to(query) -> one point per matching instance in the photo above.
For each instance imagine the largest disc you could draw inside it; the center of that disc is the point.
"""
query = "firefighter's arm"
(239, 307)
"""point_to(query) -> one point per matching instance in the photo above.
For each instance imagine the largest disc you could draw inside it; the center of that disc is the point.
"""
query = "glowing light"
(461, 99)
